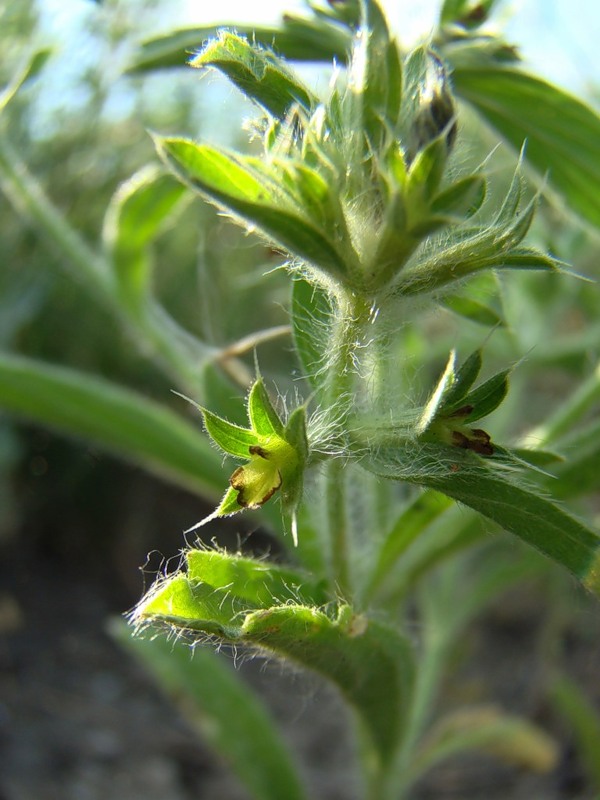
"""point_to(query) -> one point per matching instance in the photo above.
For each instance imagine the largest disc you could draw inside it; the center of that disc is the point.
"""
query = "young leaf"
(462, 199)
(224, 708)
(229, 182)
(257, 72)
(466, 376)
(232, 439)
(435, 402)
(264, 420)
(486, 397)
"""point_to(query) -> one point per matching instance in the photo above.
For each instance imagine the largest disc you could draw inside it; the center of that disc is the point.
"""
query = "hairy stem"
(350, 317)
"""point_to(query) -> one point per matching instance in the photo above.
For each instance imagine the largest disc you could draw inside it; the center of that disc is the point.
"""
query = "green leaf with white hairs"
(495, 494)
(461, 199)
(235, 183)
(232, 439)
(465, 377)
(259, 583)
(257, 72)
(370, 663)
(264, 420)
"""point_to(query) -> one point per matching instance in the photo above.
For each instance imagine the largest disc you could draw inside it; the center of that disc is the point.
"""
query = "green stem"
(350, 316)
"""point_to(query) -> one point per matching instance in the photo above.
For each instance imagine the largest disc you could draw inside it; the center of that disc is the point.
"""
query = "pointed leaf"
(230, 183)
(257, 72)
(263, 417)
(466, 376)
(444, 385)
(534, 519)
(232, 439)
(488, 396)
(462, 199)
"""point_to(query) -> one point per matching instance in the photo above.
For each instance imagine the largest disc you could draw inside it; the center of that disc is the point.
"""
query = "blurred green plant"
(379, 223)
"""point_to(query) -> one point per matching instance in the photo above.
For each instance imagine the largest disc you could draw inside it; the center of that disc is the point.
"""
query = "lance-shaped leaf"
(297, 38)
(138, 211)
(518, 509)
(562, 132)
(231, 183)
(32, 67)
(257, 72)
(223, 707)
(120, 420)
(370, 663)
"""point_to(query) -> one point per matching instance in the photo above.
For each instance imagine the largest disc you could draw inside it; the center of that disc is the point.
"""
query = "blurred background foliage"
(84, 133)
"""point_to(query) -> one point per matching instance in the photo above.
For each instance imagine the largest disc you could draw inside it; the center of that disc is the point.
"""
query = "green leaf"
(466, 376)
(562, 133)
(462, 199)
(260, 584)
(229, 182)
(117, 419)
(298, 39)
(311, 318)
(370, 663)
(263, 417)
(32, 67)
(436, 400)
(232, 439)
(486, 397)
(473, 310)
(413, 520)
(518, 509)
(257, 72)
(138, 211)
(225, 710)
